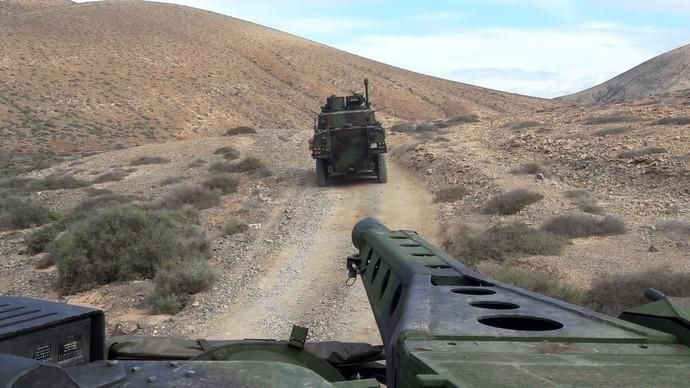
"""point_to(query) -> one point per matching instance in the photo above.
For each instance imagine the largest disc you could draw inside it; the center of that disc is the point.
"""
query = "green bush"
(103, 201)
(503, 242)
(194, 195)
(537, 281)
(511, 202)
(223, 182)
(450, 193)
(239, 131)
(584, 225)
(613, 293)
(123, 243)
(175, 280)
(18, 213)
(148, 160)
(38, 239)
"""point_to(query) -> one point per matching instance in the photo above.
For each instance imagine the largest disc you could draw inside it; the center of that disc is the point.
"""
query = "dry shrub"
(244, 165)
(537, 281)
(584, 225)
(57, 182)
(148, 160)
(18, 213)
(678, 230)
(234, 228)
(229, 153)
(501, 243)
(171, 180)
(529, 168)
(403, 127)
(611, 131)
(94, 192)
(614, 293)
(175, 280)
(641, 152)
(585, 201)
(450, 193)
(123, 243)
(196, 196)
(523, 124)
(103, 201)
(196, 163)
(611, 119)
(223, 182)
(111, 177)
(465, 119)
(511, 202)
(682, 120)
(242, 130)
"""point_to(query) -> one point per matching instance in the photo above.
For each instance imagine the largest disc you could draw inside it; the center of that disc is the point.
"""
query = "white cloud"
(543, 62)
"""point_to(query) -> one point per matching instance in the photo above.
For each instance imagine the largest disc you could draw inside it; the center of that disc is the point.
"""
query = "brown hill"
(665, 74)
(13, 7)
(91, 75)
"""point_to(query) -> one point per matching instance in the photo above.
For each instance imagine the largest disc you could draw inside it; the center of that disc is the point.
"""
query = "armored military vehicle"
(348, 141)
(442, 325)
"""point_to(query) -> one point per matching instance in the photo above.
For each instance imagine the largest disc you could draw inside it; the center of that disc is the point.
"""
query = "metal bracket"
(298, 336)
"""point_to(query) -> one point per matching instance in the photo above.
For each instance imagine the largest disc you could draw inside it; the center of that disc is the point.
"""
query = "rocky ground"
(288, 268)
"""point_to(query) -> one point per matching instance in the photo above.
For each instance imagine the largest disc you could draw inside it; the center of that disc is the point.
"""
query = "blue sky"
(544, 48)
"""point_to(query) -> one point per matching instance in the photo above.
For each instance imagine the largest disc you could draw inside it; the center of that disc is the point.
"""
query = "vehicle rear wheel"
(381, 170)
(320, 173)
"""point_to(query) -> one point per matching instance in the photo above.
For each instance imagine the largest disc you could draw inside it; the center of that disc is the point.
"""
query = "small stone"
(195, 303)
(652, 249)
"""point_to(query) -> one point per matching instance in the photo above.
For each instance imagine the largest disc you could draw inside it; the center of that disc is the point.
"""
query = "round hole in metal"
(438, 266)
(473, 291)
(495, 305)
(521, 323)
(423, 254)
(410, 245)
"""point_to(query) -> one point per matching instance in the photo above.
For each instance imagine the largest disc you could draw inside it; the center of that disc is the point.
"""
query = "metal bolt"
(112, 363)
(136, 369)
(151, 379)
(189, 373)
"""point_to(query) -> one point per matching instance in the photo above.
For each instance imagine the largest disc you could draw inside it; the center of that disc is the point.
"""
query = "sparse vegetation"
(613, 293)
(234, 228)
(529, 168)
(403, 127)
(37, 241)
(244, 165)
(242, 130)
(611, 131)
(611, 119)
(584, 225)
(18, 213)
(537, 281)
(523, 124)
(511, 202)
(678, 230)
(103, 201)
(175, 280)
(196, 163)
(171, 180)
(197, 196)
(450, 193)
(229, 153)
(223, 182)
(148, 160)
(57, 182)
(123, 243)
(503, 242)
(111, 176)
(585, 201)
(682, 120)
(465, 119)
(641, 152)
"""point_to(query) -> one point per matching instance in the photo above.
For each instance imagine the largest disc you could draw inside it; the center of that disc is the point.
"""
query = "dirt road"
(304, 282)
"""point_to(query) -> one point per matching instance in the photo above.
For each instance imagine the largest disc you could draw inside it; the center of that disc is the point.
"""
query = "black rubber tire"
(381, 170)
(320, 173)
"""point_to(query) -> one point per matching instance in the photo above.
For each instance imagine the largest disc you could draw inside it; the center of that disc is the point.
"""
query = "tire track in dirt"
(305, 284)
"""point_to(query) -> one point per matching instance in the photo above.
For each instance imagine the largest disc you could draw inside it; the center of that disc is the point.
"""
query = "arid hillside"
(665, 75)
(13, 7)
(91, 75)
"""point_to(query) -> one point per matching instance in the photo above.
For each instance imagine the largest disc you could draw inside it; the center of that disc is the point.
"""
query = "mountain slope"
(666, 73)
(13, 7)
(92, 75)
